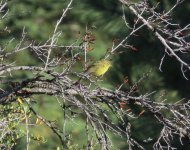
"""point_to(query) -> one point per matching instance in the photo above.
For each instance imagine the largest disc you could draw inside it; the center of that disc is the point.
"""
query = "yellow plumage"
(100, 67)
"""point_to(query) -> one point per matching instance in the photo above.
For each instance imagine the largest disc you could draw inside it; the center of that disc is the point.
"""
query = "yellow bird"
(100, 67)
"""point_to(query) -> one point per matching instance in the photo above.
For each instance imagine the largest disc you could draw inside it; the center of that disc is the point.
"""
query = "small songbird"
(100, 67)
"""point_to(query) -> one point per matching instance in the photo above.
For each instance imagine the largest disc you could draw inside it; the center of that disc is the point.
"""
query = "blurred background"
(105, 17)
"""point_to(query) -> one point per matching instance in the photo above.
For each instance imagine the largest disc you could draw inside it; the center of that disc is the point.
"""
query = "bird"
(100, 67)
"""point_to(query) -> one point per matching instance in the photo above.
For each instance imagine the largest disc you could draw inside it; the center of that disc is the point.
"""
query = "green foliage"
(11, 117)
